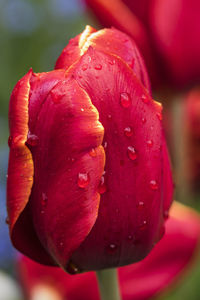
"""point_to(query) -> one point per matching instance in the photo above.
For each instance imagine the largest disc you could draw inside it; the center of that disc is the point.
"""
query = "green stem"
(108, 284)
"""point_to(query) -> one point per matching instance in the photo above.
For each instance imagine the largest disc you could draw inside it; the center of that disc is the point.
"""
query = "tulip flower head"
(89, 180)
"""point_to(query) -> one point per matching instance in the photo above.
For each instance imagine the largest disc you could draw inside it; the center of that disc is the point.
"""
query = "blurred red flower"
(89, 180)
(165, 31)
(140, 281)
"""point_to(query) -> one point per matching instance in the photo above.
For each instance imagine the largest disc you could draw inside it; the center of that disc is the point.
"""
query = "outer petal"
(125, 231)
(69, 162)
(177, 249)
(111, 41)
(72, 51)
(20, 175)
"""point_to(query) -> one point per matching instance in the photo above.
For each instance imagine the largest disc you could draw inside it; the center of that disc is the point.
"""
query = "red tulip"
(71, 201)
(170, 30)
(140, 281)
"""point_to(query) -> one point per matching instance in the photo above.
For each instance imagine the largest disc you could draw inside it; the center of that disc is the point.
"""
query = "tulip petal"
(134, 163)
(68, 163)
(72, 52)
(116, 13)
(111, 41)
(20, 175)
(173, 255)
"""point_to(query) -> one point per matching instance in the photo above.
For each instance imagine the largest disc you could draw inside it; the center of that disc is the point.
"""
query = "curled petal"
(20, 175)
(69, 162)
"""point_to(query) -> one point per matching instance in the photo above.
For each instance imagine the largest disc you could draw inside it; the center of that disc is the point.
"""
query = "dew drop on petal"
(125, 99)
(10, 141)
(149, 143)
(130, 237)
(102, 186)
(44, 199)
(98, 67)
(83, 180)
(153, 185)
(105, 145)
(140, 205)
(93, 152)
(84, 67)
(128, 131)
(144, 120)
(32, 140)
(131, 153)
(143, 225)
(111, 62)
(144, 98)
(112, 248)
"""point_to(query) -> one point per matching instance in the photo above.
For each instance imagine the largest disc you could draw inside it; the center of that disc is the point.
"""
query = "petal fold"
(69, 162)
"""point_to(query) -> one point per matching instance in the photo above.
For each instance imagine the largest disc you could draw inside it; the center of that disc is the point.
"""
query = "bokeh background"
(32, 34)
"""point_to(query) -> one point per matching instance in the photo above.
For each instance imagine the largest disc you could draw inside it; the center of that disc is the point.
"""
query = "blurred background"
(32, 34)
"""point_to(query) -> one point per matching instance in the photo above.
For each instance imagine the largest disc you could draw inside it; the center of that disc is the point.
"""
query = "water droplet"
(112, 248)
(83, 180)
(144, 98)
(42, 212)
(131, 153)
(105, 145)
(72, 268)
(7, 220)
(111, 62)
(143, 225)
(10, 141)
(84, 67)
(32, 139)
(82, 109)
(102, 186)
(125, 100)
(128, 131)
(153, 185)
(98, 67)
(140, 205)
(166, 214)
(93, 152)
(44, 199)
(144, 120)
(61, 244)
(109, 117)
(150, 143)
(130, 237)
(159, 115)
